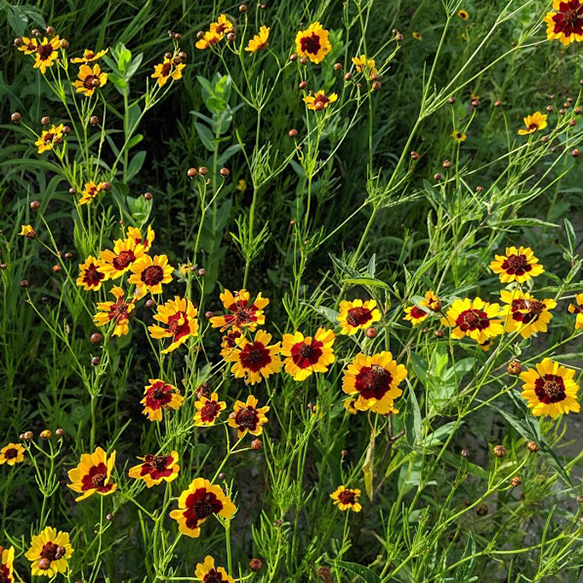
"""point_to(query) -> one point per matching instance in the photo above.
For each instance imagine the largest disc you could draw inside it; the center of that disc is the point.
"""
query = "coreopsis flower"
(49, 138)
(320, 100)
(179, 315)
(255, 360)
(209, 39)
(375, 381)
(117, 262)
(247, 418)
(242, 314)
(550, 389)
(89, 56)
(27, 231)
(416, 314)
(357, 315)
(306, 355)
(229, 342)
(459, 136)
(208, 573)
(525, 313)
(346, 498)
(166, 71)
(535, 122)
(577, 308)
(208, 410)
(150, 273)
(93, 475)
(259, 41)
(518, 265)
(222, 25)
(7, 565)
(485, 346)
(118, 312)
(89, 79)
(365, 65)
(200, 501)
(47, 52)
(156, 469)
(90, 191)
(91, 273)
(474, 318)
(313, 43)
(28, 45)
(12, 454)
(417, 35)
(49, 552)
(160, 396)
(565, 23)
(463, 14)
(136, 235)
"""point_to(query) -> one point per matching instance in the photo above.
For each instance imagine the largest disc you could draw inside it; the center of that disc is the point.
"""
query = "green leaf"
(526, 222)
(571, 236)
(136, 164)
(361, 571)
(366, 281)
(368, 468)
(328, 313)
(206, 136)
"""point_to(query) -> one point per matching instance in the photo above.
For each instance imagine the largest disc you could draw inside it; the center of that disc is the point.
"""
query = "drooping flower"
(229, 342)
(416, 314)
(166, 71)
(49, 138)
(346, 498)
(27, 231)
(118, 261)
(90, 191)
(7, 565)
(150, 273)
(306, 355)
(518, 265)
(91, 273)
(550, 389)
(119, 312)
(242, 314)
(357, 315)
(156, 469)
(89, 56)
(12, 454)
(365, 65)
(208, 573)
(47, 52)
(525, 313)
(89, 79)
(474, 318)
(320, 100)
(160, 396)
(247, 418)
(49, 552)
(259, 41)
(577, 308)
(313, 43)
(200, 501)
(535, 122)
(93, 475)
(208, 410)
(565, 23)
(255, 360)
(179, 315)
(459, 136)
(136, 235)
(375, 381)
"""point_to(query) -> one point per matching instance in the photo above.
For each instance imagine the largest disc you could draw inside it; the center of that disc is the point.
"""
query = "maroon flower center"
(157, 466)
(230, 339)
(124, 259)
(550, 389)
(165, 70)
(569, 19)
(358, 316)
(310, 44)
(92, 275)
(49, 137)
(472, 320)
(52, 551)
(200, 505)
(417, 313)
(213, 576)
(158, 396)
(305, 355)
(534, 307)
(247, 418)
(220, 29)
(152, 275)
(243, 314)
(178, 325)
(11, 453)
(321, 99)
(91, 82)
(373, 382)
(119, 310)
(210, 411)
(4, 574)
(45, 51)
(31, 46)
(254, 357)
(516, 264)
(347, 497)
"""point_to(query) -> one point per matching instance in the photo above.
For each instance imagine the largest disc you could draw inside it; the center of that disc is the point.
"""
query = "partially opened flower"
(459, 136)
(247, 418)
(90, 191)
(417, 314)
(160, 396)
(209, 39)
(525, 313)
(28, 45)
(47, 52)
(27, 231)
(12, 454)
(208, 410)
(179, 315)
(49, 552)
(365, 65)
(90, 79)
(222, 25)
(229, 342)
(118, 312)
(474, 318)
(93, 475)
(306, 355)
(463, 14)
(565, 23)
(241, 312)
(320, 100)
(117, 262)
(208, 573)
(535, 122)
(259, 41)
(150, 273)
(50, 138)
(357, 315)
(577, 308)
(346, 498)
(156, 469)
(417, 35)
(91, 273)
(136, 235)
(89, 56)
(7, 565)
(167, 71)
(313, 43)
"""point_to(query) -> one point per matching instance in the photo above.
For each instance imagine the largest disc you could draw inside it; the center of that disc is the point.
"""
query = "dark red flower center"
(92, 275)
(230, 339)
(247, 418)
(255, 356)
(310, 44)
(48, 138)
(373, 382)
(119, 310)
(11, 453)
(242, 314)
(158, 396)
(157, 466)
(179, 325)
(52, 551)
(213, 576)
(4, 574)
(91, 82)
(417, 313)
(550, 389)
(569, 19)
(200, 505)
(358, 316)
(534, 307)
(152, 275)
(210, 411)
(321, 99)
(472, 320)
(165, 69)
(45, 51)
(123, 259)
(347, 497)
(516, 265)
(305, 355)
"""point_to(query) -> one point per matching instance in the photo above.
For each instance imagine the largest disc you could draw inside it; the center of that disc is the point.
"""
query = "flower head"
(91, 273)
(247, 418)
(463, 14)
(117, 262)
(27, 231)
(93, 474)
(28, 45)
(47, 52)
(50, 138)
(208, 573)
(518, 265)
(208, 410)
(90, 191)
(365, 65)
(346, 498)
(89, 79)
(474, 318)
(160, 396)
(156, 468)
(565, 23)
(416, 314)
(119, 312)
(241, 312)
(320, 100)
(136, 235)
(49, 552)
(459, 136)
(167, 71)
(577, 308)
(306, 355)
(535, 122)
(179, 315)
(259, 41)
(229, 342)
(7, 565)
(89, 56)
(525, 313)
(550, 389)
(357, 315)
(209, 39)
(12, 454)
(417, 35)
(313, 43)
(222, 25)
(150, 273)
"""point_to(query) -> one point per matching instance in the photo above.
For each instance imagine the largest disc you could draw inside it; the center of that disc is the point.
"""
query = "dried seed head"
(549, 108)
(567, 104)
(398, 37)
(16, 117)
(577, 110)
(580, 499)
(255, 565)
(256, 445)
(545, 139)
(27, 435)
(515, 482)
(95, 361)
(573, 122)
(45, 121)
(17, 42)
(44, 564)
(199, 34)
(561, 111)
(372, 332)
(34, 205)
(35, 32)
(222, 476)
(46, 434)
(325, 574)
(514, 368)
(182, 55)
(66, 130)
(337, 66)
(191, 172)
(533, 446)
(231, 37)
(96, 338)
(499, 451)
(479, 188)
(93, 120)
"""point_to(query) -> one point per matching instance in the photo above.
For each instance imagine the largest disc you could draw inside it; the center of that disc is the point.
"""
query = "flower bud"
(447, 164)
(303, 85)
(256, 445)
(255, 565)
(93, 120)
(439, 333)
(64, 44)
(150, 303)
(24, 283)
(414, 155)
(243, 8)
(514, 368)
(68, 255)
(202, 272)
(96, 338)
(57, 268)
(191, 172)
(95, 361)
(293, 58)
(203, 170)
(16, 117)
(482, 510)
(50, 30)
(515, 482)
(476, 103)
(60, 432)
(292, 133)
(533, 446)
(46, 434)
(34, 205)
(348, 77)
(437, 176)
(499, 451)
(376, 86)
(465, 453)
(451, 100)
(303, 60)
(224, 172)
(148, 195)
(372, 332)
(106, 186)
(45, 121)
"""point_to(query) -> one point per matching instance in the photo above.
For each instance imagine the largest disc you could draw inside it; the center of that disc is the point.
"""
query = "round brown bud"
(72, 190)
(499, 451)
(497, 103)
(255, 565)
(376, 86)
(344, 453)
(60, 432)
(96, 338)
(533, 446)
(398, 37)
(178, 36)
(303, 61)
(182, 55)
(303, 85)
(476, 103)
(549, 108)
(191, 172)
(292, 133)
(34, 205)
(575, 153)
(68, 255)
(451, 100)
(482, 510)
(348, 76)
(447, 164)
(64, 44)
(545, 139)
(437, 176)
(45, 121)
(44, 564)
(201, 272)
(35, 32)
(50, 30)
(231, 37)
(567, 104)
(199, 34)
(66, 130)
(439, 333)
(57, 268)
(465, 453)
(570, 99)
(28, 435)
(515, 482)
(573, 122)
(224, 172)
(243, 8)
(375, 77)
(148, 195)
(208, 315)
(577, 110)
(16, 117)
(93, 120)
(3, 266)
(24, 283)
(580, 499)
(319, 105)
(167, 55)
(46, 434)
(109, 517)
(177, 60)
(106, 186)
(150, 303)
(17, 42)
(514, 368)
(561, 111)
(479, 188)
(222, 476)
(293, 57)
(414, 155)
(95, 361)
(256, 445)
(372, 332)
(203, 170)
(337, 66)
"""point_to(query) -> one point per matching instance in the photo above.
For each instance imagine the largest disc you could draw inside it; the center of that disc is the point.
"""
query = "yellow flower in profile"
(167, 71)
(208, 410)
(12, 454)
(118, 312)
(577, 308)
(346, 498)
(365, 65)
(463, 14)
(179, 315)
(93, 475)
(150, 273)
(49, 552)
(90, 79)
(417, 35)
(247, 418)
(306, 355)
(416, 314)
(313, 43)
(136, 235)
(525, 313)
(156, 469)
(208, 40)
(47, 52)
(49, 138)
(518, 265)
(125, 253)
(28, 45)
(27, 231)
(259, 41)
(91, 274)
(159, 397)
(550, 389)
(534, 123)
(7, 565)
(565, 23)
(89, 56)
(208, 573)
(320, 100)
(241, 185)
(90, 191)
(221, 26)
(475, 319)
(357, 315)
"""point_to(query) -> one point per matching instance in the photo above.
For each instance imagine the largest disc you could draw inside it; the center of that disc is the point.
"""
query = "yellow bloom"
(91, 274)
(49, 552)
(7, 565)
(313, 43)
(473, 318)
(208, 410)
(221, 26)
(27, 231)
(90, 79)
(259, 41)
(577, 308)
(247, 418)
(209, 38)
(518, 265)
(166, 71)
(535, 122)
(357, 315)
(160, 396)
(156, 469)
(124, 254)
(93, 474)
(417, 35)
(136, 235)
(416, 314)
(525, 313)
(463, 14)
(179, 315)
(12, 454)
(119, 312)
(242, 313)
(47, 52)
(365, 65)
(49, 138)
(90, 191)
(28, 45)
(459, 136)
(306, 355)
(150, 273)
(89, 56)
(565, 23)
(320, 100)
(208, 573)
(346, 498)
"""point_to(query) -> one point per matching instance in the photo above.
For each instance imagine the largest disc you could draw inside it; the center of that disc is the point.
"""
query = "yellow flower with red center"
(27, 231)
(518, 265)
(89, 79)
(416, 314)
(196, 504)
(229, 341)
(534, 123)
(242, 314)
(160, 396)
(12, 454)
(117, 262)
(255, 360)
(375, 381)
(136, 235)
(357, 315)
(550, 389)
(216, 33)
(156, 469)
(565, 23)
(47, 52)
(91, 273)
(49, 552)
(89, 56)
(90, 191)
(320, 100)
(167, 71)
(93, 475)
(7, 565)
(247, 418)
(179, 315)
(463, 14)
(259, 41)
(208, 573)
(365, 65)
(306, 355)
(208, 410)
(208, 40)
(485, 346)
(49, 138)
(459, 136)
(313, 43)
(525, 313)
(577, 308)
(118, 312)
(222, 26)
(346, 498)
(28, 45)
(417, 35)
(474, 318)
(150, 273)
